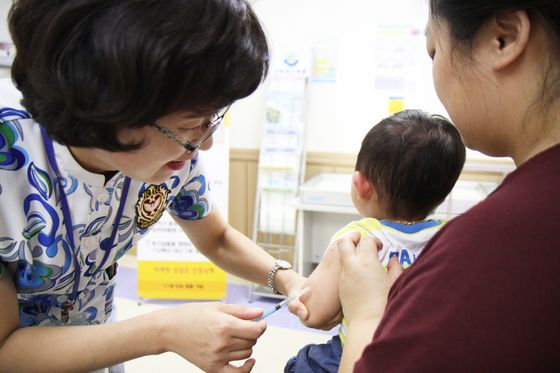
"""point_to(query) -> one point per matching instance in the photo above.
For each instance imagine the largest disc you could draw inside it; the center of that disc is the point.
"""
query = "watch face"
(283, 264)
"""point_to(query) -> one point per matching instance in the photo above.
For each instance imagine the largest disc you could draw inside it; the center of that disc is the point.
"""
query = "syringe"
(283, 303)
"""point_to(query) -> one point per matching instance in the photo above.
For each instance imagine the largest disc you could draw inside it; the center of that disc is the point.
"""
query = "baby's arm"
(322, 302)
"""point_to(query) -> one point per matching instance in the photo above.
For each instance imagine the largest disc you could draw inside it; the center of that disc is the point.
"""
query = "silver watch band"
(278, 265)
(272, 277)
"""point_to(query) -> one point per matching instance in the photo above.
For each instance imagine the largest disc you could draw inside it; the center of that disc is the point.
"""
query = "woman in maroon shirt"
(484, 294)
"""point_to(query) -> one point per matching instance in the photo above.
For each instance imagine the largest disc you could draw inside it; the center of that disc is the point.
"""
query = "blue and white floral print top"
(60, 282)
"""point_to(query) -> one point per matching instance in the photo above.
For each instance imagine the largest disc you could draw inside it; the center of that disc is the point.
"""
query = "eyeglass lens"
(212, 126)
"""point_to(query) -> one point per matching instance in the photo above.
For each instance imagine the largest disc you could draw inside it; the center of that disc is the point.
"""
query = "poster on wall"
(282, 145)
(397, 71)
(169, 266)
(324, 61)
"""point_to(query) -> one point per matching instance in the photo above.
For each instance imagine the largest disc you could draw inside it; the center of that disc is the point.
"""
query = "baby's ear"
(363, 186)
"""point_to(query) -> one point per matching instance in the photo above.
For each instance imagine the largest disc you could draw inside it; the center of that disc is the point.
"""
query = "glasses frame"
(213, 124)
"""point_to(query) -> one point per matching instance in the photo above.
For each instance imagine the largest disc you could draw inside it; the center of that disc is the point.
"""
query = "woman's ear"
(364, 188)
(511, 33)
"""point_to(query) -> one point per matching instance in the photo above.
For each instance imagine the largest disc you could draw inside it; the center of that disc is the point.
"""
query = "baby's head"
(407, 165)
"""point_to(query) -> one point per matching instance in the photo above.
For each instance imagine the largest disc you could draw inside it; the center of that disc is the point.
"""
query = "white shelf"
(339, 209)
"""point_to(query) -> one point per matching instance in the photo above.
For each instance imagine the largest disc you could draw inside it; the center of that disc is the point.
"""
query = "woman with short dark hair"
(99, 135)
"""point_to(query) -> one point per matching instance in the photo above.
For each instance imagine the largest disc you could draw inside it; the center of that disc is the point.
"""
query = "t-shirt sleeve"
(354, 226)
(193, 202)
(364, 226)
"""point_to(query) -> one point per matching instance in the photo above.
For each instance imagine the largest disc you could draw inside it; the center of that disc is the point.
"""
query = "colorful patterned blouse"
(62, 278)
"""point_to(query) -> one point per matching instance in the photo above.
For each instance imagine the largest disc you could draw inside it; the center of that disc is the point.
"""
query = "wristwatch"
(278, 266)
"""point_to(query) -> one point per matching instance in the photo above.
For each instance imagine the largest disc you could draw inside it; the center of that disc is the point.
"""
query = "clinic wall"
(340, 112)
(243, 169)
(370, 63)
(243, 178)
(4, 33)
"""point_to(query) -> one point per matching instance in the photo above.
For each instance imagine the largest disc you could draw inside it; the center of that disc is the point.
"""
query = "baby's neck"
(406, 222)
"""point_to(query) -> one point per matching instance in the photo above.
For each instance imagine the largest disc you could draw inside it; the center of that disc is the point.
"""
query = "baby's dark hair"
(88, 69)
(413, 159)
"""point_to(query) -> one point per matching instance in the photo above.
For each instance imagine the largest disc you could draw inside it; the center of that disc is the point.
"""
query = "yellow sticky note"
(396, 104)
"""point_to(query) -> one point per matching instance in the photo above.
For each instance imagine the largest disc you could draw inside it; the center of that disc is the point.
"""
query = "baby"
(408, 163)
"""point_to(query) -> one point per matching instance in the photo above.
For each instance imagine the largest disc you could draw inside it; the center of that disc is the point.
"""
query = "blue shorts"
(322, 358)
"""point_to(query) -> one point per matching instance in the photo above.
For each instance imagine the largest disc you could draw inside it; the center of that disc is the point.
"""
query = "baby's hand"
(298, 308)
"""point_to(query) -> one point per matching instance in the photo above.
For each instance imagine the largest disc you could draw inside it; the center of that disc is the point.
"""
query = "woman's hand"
(296, 306)
(364, 283)
(363, 286)
(292, 283)
(211, 335)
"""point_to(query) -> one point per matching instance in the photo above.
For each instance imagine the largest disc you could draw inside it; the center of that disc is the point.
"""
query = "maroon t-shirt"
(484, 296)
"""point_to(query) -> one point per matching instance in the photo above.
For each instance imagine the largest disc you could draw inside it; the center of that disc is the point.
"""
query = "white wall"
(340, 113)
(4, 7)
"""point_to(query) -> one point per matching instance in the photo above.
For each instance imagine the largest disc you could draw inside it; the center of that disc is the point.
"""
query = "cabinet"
(323, 207)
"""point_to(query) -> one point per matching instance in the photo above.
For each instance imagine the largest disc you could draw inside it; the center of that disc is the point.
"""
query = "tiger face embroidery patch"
(151, 205)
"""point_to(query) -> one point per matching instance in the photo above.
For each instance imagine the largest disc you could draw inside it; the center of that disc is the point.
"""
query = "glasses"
(209, 128)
